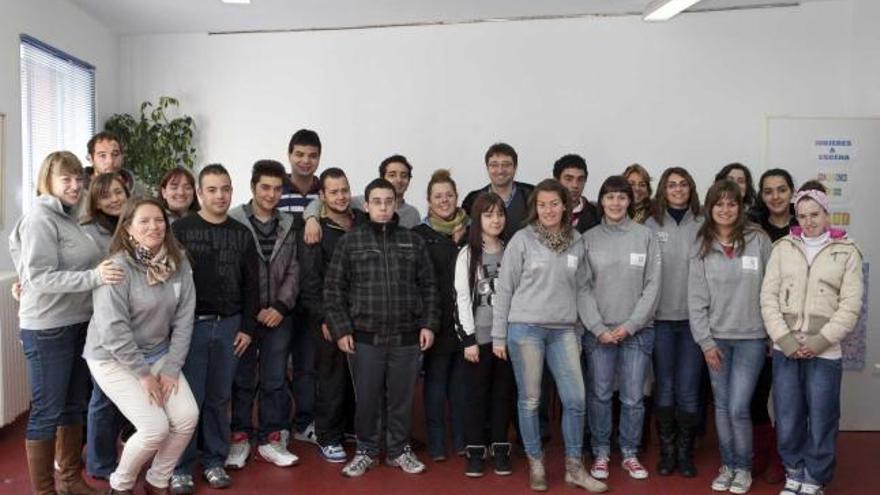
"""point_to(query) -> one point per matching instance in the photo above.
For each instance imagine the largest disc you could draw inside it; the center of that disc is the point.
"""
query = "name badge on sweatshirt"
(572, 261)
(176, 286)
(637, 259)
(750, 263)
(662, 236)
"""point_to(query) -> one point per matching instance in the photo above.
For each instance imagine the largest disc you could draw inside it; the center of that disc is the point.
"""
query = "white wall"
(64, 26)
(691, 92)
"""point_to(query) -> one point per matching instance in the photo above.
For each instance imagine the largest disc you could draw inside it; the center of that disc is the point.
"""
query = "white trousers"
(163, 432)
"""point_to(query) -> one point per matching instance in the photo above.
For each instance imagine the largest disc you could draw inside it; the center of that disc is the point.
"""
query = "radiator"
(14, 391)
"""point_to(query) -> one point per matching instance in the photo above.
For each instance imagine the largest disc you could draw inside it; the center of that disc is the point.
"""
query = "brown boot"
(576, 475)
(537, 476)
(155, 490)
(40, 457)
(70, 481)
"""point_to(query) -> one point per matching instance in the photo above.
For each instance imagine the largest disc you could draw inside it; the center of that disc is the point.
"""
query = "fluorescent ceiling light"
(663, 10)
(242, 2)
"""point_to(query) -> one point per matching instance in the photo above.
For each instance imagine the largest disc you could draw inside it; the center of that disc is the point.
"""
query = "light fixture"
(238, 2)
(663, 10)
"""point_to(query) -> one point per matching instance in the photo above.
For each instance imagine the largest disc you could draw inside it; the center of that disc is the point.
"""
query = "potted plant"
(155, 142)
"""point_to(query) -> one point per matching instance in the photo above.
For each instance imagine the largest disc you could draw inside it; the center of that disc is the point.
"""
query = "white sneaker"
(307, 435)
(360, 464)
(811, 489)
(635, 469)
(239, 451)
(276, 452)
(722, 482)
(742, 482)
(792, 487)
(408, 462)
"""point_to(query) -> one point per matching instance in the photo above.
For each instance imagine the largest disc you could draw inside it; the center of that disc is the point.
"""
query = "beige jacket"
(817, 304)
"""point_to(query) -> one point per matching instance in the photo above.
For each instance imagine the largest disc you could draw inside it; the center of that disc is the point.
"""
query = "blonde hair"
(57, 162)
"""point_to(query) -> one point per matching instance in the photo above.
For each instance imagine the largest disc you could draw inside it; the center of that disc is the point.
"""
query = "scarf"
(447, 227)
(558, 242)
(159, 266)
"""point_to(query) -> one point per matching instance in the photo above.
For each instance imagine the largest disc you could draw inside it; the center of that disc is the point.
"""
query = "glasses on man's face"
(380, 202)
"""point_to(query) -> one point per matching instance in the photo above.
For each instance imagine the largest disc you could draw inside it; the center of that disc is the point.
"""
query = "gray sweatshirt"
(675, 241)
(540, 287)
(137, 322)
(100, 235)
(724, 294)
(407, 214)
(56, 264)
(625, 263)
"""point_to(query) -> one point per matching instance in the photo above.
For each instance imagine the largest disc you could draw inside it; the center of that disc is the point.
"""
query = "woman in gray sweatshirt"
(139, 340)
(678, 361)
(625, 264)
(724, 288)
(542, 293)
(57, 265)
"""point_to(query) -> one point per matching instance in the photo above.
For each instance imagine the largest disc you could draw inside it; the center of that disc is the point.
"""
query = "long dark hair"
(550, 185)
(749, 198)
(613, 184)
(724, 189)
(99, 188)
(485, 202)
(121, 238)
(660, 201)
(761, 210)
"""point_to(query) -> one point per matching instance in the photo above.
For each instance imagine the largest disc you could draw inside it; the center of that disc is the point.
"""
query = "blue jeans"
(627, 365)
(678, 363)
(210, 368)
(59, 378)
(444, 383)
(806, 398)
(527, 346)
(263, 366)
(303, 354)
(104, 423)
(732, 387)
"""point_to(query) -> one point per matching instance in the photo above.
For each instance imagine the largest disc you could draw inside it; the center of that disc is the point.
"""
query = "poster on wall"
(843, 153)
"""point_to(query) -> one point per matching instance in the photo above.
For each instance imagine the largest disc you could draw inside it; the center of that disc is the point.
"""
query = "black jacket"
(380, 286)
(516, 211)
(588, 218)
(315, 260)
(443, 252)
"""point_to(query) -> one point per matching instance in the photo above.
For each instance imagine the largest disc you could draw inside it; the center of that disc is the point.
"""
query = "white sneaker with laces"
(408, 462)
(307, 435)
(275, 451)
(722, 482)
(792, 487)
(811, 489)
(742, 482)
(635, 468)
(360, 464)
(239, 451)
(599, 469)
(333, 453)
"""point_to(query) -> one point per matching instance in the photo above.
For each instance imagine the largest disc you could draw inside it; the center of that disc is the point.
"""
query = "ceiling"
(200, 16)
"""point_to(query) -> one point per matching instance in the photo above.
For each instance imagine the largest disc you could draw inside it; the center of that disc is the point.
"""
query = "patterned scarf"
(159, 266)
(447, 227)
(558, 242)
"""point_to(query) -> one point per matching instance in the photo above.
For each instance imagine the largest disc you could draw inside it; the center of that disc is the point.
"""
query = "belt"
(200, 318)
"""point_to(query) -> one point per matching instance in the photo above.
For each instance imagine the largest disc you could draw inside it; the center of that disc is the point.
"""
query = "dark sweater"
(225, 268)
(443, 253)
(517, 210)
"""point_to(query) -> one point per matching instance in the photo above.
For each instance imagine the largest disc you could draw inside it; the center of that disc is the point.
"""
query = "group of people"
(151, 318)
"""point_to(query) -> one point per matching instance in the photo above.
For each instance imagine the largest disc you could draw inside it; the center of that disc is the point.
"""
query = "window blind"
(57, 107)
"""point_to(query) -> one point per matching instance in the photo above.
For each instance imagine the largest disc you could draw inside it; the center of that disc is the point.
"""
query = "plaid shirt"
(380, 286)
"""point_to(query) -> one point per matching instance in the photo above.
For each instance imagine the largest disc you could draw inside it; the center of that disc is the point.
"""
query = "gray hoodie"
(540, 287)
(138, 321)
(625, 262)
(99, 234)
(55, 261)
(724, 294)
(675, 241)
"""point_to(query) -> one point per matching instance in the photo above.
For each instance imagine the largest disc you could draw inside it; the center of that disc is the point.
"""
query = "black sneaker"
(476, 454)
(501, 454)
